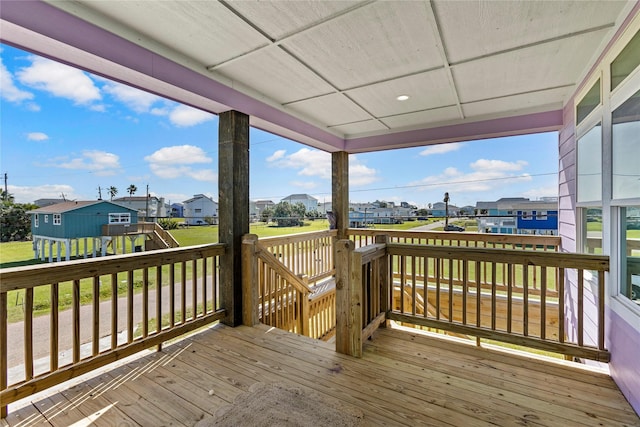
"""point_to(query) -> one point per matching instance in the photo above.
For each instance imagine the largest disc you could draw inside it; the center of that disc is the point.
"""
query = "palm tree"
(112, 192)
(6, 197)
(132, 189)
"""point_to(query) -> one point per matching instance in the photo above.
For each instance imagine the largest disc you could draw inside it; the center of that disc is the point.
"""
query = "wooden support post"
(233, 194)
(249, 280)
(348, 299)
(340, 191)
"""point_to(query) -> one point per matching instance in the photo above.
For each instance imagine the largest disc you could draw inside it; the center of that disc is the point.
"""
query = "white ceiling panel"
(530, 102)
(472, 29)
(334, 109)
(437, 116)
(206, 31)
(380, 99)
(279, 19)
(330, 71)
(278, 76)
(359, 128)
(525, 70)
(373, 43)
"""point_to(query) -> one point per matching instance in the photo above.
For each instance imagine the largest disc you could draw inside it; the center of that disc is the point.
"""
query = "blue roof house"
(64, 223)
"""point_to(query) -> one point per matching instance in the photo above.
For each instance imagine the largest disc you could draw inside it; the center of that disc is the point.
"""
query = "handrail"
(436, 276)
(485, 239)
(174, 273)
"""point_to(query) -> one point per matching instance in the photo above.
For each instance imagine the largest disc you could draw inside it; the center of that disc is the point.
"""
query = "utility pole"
(146, 207)
(99, 193)
(446, 209)
(6, 187)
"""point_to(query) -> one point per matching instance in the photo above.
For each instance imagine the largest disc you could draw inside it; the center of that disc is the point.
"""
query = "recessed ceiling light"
(402, 97)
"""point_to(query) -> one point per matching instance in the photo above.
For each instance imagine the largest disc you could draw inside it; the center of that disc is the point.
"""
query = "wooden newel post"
(249, 280)
(348, 299)
(305, 321)
(385, 281)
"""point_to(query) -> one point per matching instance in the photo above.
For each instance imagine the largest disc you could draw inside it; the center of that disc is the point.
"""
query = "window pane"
(626, 149)
(590, 101)
(630, 253)
(592, 227)
(626, 61)
(590, 166)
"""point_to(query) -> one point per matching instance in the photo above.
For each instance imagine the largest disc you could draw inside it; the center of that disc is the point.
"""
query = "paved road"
(427, 227)
(41, 329)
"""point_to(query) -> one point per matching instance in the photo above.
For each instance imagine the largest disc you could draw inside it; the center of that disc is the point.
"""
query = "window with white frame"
(625, 169)
(46, 219)
(589, 165)
(57, 219)
(527, 215)
(541, 215)
(120, 218)
(36, 221)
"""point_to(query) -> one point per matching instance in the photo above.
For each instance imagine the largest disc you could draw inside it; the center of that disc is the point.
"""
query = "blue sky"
(66, 131)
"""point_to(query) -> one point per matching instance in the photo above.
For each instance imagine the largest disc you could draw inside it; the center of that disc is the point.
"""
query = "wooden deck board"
(404, 378)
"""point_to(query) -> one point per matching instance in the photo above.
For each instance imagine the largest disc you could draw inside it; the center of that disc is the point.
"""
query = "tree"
(112, 192)
(15, 222)
(287, 215)
(6, 197)
(131, 189)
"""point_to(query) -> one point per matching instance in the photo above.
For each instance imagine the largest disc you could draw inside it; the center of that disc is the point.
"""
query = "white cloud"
(185, 116)
(28, 194)
(176, 161)
(306, 185)
(9, 90)
(486, 175)
(440, 149)
(316, 163)
(99, 162)
(179, 154)
(499, 165)
(276, 156)
(136, 99)
(60, 80)
(37, 136)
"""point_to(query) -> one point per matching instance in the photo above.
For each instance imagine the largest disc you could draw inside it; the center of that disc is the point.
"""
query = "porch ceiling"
(327, 74)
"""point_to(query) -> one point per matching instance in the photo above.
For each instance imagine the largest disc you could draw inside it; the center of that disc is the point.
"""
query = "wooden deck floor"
(404, 378)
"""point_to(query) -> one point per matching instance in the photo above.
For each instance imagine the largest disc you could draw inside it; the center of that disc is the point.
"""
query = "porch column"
(340, 191)
(233, 208)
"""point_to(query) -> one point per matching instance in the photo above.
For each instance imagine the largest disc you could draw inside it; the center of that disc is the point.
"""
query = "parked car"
(452, 227)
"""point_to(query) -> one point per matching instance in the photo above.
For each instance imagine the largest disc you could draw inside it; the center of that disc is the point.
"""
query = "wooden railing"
(362, 293)
(152, 229)
(426, 288)
(150, 297)
(276, 289)
(366, 236)
(308, 254)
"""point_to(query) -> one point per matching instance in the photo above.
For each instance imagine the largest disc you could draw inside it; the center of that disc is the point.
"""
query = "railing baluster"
(601, 310)
(76, 321)
(413, 286)
(560, 279)
(172, 295)
(145, 302)
(28, 333)
(465, 285)
(53, 331)
(438, 293)
(580, 307)
(114, 311)
(95, 349)
(159, 302)
(3, 350)
(543, 303)
(450, 290)
(509, 296)
(194, 288)
(204, 286)
(183, 293)
(494, 307)
(525, 296)
(130, 306)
